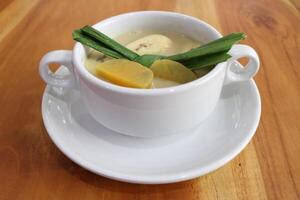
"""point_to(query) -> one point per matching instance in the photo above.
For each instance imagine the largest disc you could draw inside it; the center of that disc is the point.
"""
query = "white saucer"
(152, 161)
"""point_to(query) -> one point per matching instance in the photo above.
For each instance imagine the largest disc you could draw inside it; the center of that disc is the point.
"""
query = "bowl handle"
(236, 71)
(63, 57)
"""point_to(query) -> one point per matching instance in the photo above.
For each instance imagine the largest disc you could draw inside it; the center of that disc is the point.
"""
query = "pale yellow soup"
(148, 42)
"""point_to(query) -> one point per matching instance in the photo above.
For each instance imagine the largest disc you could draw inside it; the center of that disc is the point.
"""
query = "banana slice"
(173, 71)
(125, 73)
(151, 44)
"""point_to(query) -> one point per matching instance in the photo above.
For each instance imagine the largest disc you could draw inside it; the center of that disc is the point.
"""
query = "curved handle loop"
(63, 57)
(238, 72)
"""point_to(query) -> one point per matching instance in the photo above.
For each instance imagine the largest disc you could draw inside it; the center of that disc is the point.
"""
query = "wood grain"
(31, 167)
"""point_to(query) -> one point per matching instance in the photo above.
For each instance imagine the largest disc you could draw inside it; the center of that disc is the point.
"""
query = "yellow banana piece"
(152, 44)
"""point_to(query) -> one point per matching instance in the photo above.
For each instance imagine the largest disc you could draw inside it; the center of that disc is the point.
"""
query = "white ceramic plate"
(152, 161)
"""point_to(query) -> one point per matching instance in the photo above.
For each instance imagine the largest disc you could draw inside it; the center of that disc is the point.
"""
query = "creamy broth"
(148, 42)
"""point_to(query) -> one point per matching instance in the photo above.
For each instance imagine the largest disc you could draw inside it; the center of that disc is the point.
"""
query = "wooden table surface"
(31, 167)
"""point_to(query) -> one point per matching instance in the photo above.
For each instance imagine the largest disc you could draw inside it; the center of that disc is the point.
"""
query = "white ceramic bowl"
(150, 112)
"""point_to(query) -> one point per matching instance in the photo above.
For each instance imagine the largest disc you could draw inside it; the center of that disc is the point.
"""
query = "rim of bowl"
(87, 76)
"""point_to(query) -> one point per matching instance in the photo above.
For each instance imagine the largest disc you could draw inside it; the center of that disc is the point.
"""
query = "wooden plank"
(274, 32)
(11, 14)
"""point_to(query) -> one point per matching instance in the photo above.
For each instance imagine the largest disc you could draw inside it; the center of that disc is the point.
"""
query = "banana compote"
(148, 42)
